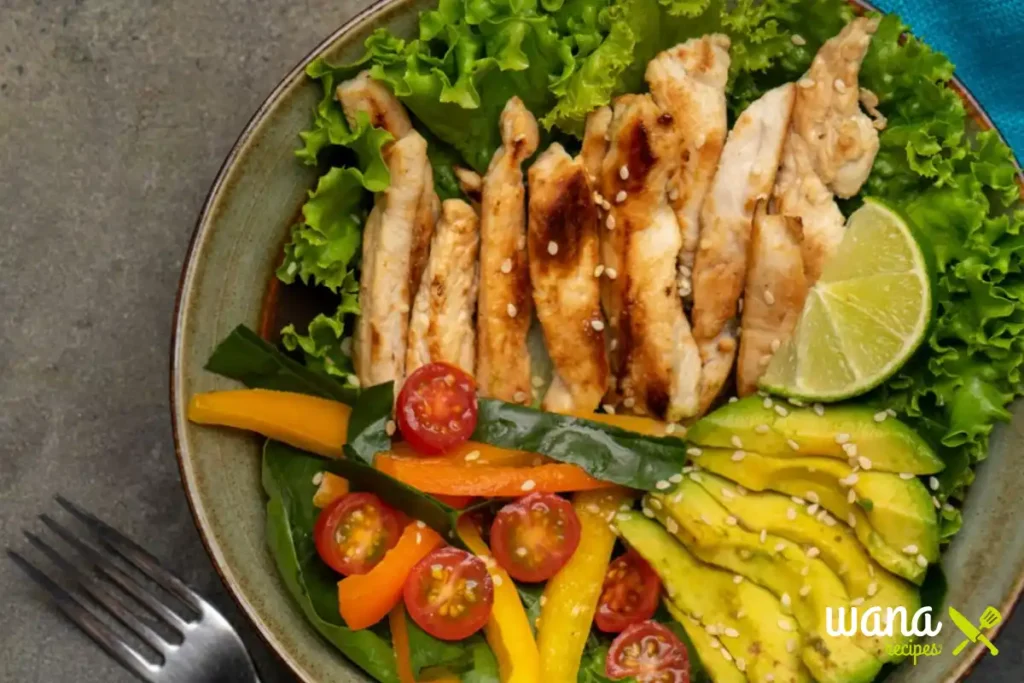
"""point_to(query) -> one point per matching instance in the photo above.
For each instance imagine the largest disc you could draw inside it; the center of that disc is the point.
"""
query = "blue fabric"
(985, 40)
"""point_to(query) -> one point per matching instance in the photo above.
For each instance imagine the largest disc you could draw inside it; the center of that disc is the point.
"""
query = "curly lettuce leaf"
(324, 346)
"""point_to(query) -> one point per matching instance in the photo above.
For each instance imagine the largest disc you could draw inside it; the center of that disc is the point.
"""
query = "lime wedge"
(864, 317)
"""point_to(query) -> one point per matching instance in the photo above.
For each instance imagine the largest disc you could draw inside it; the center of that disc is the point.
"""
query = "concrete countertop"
(114, 119)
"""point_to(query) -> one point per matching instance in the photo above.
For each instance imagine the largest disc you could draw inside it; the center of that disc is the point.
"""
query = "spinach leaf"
(531, 594)
(367, 426)
(485, 665)
(605, 452)
(245, 357)
(288, 481)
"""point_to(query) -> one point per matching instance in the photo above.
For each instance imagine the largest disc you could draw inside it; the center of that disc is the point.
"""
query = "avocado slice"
(804, 584)
(742, 618)
(891, 513)
(720, 669)
(862, 577)
(890, 445)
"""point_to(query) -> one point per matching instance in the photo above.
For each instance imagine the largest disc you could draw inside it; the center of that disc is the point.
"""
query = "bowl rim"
(203, 226)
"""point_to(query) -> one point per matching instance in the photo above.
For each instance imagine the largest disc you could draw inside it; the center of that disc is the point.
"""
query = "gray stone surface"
(114, 118)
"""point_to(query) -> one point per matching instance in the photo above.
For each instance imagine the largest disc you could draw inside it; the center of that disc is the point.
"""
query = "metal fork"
(209, 650)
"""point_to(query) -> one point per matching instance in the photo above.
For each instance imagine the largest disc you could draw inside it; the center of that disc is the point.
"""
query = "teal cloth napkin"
(985, 40)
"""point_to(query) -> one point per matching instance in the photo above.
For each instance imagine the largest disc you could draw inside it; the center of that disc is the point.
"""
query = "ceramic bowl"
(231, 258)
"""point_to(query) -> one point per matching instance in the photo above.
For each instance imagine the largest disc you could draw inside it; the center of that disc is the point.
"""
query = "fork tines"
(93, 586)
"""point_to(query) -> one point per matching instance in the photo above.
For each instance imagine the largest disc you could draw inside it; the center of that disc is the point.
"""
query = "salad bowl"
(231, 261)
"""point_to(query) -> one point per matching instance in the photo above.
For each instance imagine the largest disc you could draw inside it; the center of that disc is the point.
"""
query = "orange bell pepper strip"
(331, 488)
(634, 423)
(508, 628)
(311, 423)
(365, 599)
(486, 480)
(457, 502)
(400, 640)
(473, 453)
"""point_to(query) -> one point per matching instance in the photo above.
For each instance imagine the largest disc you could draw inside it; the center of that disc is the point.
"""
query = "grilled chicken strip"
(688, 81)
(441, 326)
(746, 173)
(595, 142)
(774, 294)
(659, 367)
(503, 317)
(842, 139)
(363, 94)
(384, 291)
(564, 250)
(470, 183)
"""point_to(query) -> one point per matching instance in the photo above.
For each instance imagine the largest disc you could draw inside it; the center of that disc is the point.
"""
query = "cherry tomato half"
(449, 593)
(353, 533)
(650, 653)
(437, 408)
(533, 537)
(630, 593)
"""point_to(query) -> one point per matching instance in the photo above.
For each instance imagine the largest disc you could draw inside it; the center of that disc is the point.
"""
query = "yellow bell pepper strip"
(508, 628)
(313, 424)
(634, 423)
(400, 640)
(365, 599)
(486, 480)
(571, 596)
(331, 488)
(472, 453)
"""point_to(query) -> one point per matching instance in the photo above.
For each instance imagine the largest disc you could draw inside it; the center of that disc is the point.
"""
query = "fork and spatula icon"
(989, 618)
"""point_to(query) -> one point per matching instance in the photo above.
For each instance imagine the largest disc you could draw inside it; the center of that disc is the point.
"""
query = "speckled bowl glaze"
(230, 260)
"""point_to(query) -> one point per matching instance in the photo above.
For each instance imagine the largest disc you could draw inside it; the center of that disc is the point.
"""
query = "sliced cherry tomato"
(630, 594)
(533, 537)
(353, 533)
(449, 593)
(437, 408)
(650, 653)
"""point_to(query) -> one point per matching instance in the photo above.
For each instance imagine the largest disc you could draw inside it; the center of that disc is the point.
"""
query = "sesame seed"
(318, 478)
(864, 462)
(806, 83)
(730, 632)
(819, 409)
(840, 85)
(775, 345)
(670, 428)
(785, 625)
(906, 476)
(798, 500)
(598, 198)
(496, 578)
(662, 485)
(726, 655)
(779, 547)
(805, 590)
(511, 310)
(656, 504)
(671, 525)
(731, 521)
(598, 325)
(767, 403)
(521, 243)
(529, 485)
(624, 172)
(733, 399)
(791, 514)
(598, 271)
(936, 502)
(676, 478)
(609, 222)
(793, 444)
(805, 570)
(769, 677)
(673, 194)
(791, 645)
(620, 197)
(714, 642)
(696, 477)
(850, 480)
(946, 507)
(740, 490)
(892, 413)
(611, 273)
(781, 412)
(910, 549)
(608, 408)
(933, 483)
(764, 535)
(880, 416)
(786, 600)
(851, 519)
(390, 427)
(593, 508)
(851, 497)
(727, 494)
(472, 455)
(506, 266)
(736, 441)
(769, 298)
(812, 496)
(737, 579)
(741, 664)
(798, 40)
(648, 512)
(552, 247)
(762, 429)
(694, 451)
(813, 552)
(857, 602)
(872, 589)
(519, 396)
(922, 561)
(812, 508)
(842, 437)
(738, 456)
